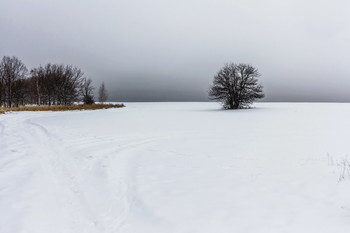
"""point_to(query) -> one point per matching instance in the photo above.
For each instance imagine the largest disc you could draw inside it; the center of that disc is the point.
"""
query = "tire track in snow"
(12, 147)
(15, 172)
(53, 161)
(88, 177)
(35, 180)
(116, 178)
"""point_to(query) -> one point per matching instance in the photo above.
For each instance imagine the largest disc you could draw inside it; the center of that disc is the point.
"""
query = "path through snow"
(175, 167)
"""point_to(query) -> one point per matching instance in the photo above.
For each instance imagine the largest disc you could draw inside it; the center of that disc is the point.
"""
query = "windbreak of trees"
(51, 84)
(55, 84)
(12, 81)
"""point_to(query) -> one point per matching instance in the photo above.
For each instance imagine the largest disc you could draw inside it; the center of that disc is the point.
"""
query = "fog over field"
(170, 50)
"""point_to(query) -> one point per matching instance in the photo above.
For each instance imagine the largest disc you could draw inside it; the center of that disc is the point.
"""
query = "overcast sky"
(169, 50)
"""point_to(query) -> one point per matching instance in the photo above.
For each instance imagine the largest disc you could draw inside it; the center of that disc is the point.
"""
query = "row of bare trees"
(51, 84)
(12, 75)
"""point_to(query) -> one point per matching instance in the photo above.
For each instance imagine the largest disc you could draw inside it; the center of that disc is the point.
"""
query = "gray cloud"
(158, 50)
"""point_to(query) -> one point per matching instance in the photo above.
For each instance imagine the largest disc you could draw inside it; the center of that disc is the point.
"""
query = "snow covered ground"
(176, 167)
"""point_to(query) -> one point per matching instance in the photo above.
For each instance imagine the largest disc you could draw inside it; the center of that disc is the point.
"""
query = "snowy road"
(176, 167)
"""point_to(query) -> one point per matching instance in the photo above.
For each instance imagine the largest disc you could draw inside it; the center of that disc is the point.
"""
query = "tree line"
(235, 85)
(51, 84)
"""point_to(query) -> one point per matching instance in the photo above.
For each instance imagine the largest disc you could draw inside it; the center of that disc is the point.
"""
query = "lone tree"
(236, 86)
(102, 93)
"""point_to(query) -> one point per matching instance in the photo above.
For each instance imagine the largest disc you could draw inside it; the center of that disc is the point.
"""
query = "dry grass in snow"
(61, 107)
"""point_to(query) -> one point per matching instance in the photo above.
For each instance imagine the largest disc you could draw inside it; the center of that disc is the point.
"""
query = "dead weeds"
(61, 107)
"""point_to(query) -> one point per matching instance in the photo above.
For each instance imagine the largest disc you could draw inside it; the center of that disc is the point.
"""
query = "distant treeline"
(51, 84)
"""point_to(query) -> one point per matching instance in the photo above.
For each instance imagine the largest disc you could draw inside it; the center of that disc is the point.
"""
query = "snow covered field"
(176, 167)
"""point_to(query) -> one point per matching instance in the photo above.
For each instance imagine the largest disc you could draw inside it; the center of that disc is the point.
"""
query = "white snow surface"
(176, 167)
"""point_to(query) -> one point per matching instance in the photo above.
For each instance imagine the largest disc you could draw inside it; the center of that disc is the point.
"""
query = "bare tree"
(56, 84)
(236, 86)
(51, 84)
(12, 72)
(87, 91)
(102, 94)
